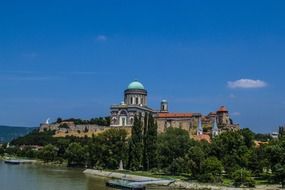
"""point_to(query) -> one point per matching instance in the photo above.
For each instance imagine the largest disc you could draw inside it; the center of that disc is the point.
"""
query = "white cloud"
(101, 38)
(247, 83)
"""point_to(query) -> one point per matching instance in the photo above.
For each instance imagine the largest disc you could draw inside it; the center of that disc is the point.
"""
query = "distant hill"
(8, 133)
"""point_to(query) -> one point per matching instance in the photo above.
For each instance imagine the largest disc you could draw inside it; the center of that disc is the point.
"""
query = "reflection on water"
(37, 177)
(34, 177)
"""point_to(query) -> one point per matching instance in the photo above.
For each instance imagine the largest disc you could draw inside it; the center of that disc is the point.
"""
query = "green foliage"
(172, 152)
(179, 166)
(211, 170)
(2, 151)
(76, 154)
(64, 126)
(48, 153)
(150, 143)
(35, 138)
(248, 136)
(243, 178)
(172, 144)
(232, 150)
(62, 144)
(263, 137)
(113, 147)
(197, 155)
(11, 151)
(136, 145)
(279, 174)
(59, 120)
(101, 121)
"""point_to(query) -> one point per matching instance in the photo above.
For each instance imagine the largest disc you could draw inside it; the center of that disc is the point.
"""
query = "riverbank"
(141, 176)
(18, 159)
(24, 160)
(177, 184)
(118, 175)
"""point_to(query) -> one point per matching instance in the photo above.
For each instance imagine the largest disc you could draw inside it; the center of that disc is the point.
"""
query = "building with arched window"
(135, 103)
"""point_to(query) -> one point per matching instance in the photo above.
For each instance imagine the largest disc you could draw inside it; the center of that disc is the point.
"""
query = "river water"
(39, 177)
(35, 177)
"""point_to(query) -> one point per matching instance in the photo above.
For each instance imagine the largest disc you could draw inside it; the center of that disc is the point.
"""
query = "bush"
(242, 178)
(48, 153)
(211, 170)
(179, 166)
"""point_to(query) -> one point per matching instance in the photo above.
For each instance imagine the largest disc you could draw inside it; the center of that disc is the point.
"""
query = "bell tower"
(164, 106)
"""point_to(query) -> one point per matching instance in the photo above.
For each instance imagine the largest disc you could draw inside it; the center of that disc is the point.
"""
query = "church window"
(124, 121)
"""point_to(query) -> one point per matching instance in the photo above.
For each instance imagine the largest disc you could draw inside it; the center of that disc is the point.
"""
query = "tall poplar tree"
(136, 145)
(150, 143)
(145, 139)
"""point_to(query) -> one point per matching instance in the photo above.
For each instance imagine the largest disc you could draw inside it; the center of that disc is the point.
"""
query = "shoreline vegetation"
(232, 159)
(138, 176)
(180, 181)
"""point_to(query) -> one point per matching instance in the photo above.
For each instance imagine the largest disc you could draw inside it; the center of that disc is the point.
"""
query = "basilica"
(199, 126)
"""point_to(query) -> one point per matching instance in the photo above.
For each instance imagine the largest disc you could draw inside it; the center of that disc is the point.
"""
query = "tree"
(242, 177)
(279, 174)
(231, 149)
(275, 153)
(35, 138)
(62, 144)
(150, 143)
(2, 150)
(48, 153)
(197, 155)
(179, 166)
(136, 145)
(64, 126)
(262, 137)
(59, 120)
(211, 170)
(75, 155)
(172, 144)
(95, 153)
(114, 145)
(248, 136)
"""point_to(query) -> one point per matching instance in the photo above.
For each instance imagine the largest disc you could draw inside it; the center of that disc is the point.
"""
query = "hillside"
(7, 133)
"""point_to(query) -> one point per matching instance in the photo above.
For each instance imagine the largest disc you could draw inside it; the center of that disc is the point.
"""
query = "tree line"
(101, 121)
(231, 155)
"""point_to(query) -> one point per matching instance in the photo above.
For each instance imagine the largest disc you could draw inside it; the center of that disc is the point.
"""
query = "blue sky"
(75, 58)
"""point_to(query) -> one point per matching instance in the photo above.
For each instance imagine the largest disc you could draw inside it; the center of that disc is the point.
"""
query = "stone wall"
(189, 124)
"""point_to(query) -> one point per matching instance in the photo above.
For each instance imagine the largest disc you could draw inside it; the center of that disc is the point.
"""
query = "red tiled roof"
(222, 109)
(203, 137)
(175, 115)
(259, 143)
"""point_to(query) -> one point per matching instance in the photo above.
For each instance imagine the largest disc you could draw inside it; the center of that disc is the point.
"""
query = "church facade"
(198, 125)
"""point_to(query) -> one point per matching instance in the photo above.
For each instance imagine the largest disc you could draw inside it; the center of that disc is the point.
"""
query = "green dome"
(136, 85)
